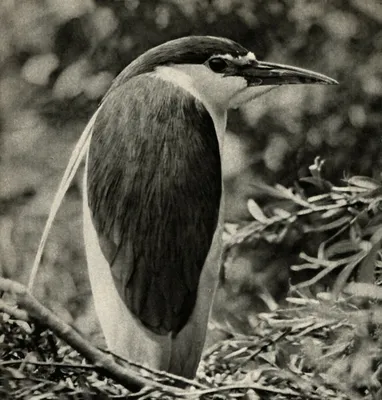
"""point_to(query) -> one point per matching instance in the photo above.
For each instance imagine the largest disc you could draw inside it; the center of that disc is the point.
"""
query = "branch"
(47, 364)
(103, 362)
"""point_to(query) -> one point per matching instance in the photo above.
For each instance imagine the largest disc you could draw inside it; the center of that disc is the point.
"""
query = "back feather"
(154, 193)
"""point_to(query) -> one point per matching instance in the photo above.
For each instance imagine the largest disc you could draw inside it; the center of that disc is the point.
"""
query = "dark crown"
(186, 50)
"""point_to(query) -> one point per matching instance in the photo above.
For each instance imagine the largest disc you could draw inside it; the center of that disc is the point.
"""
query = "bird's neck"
(183, 81)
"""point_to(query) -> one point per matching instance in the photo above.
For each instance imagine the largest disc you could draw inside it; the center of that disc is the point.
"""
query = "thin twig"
(267, 343)
(47, 364)
(158, 373)
(254, 386)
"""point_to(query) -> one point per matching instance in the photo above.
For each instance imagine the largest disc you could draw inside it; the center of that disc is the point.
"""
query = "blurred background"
(57, 59)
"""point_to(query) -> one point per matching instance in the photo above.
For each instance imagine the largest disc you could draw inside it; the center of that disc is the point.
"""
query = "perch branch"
(103, 362)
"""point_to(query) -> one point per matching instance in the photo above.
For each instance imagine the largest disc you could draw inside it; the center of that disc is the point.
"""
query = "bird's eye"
(217, 64)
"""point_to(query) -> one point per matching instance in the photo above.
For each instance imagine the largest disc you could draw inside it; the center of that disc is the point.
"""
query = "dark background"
(57, 59)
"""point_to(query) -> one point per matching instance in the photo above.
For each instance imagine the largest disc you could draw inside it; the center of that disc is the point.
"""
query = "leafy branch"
(347, 218)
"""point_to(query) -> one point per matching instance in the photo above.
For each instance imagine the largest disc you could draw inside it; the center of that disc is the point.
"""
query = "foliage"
(314, 349)
(36, 365)
(349, 215)
(335, 234)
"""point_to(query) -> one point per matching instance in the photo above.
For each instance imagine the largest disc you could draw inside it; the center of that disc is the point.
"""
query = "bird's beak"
(263, 74)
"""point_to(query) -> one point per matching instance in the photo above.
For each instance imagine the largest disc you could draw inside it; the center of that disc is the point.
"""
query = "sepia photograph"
(191, 199)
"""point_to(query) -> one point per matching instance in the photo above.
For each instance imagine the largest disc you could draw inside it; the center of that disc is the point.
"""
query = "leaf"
(271, 191)
(365, 245)
(355, 233)
(231, 228)
(24, 325)
(285, 192)
(344, 275)
(327, 263)
(351, 189)
(337, 196)
(366, 270)
(332, 212)
(319, 197)
(256, 212)
(377, 236)
(364, 182)
(302, 301)
(321, 251)
(330, 266)
(316, 167)
(341, 247)
(365, 290)
(332, 225)
(280, 212)
(304, 266)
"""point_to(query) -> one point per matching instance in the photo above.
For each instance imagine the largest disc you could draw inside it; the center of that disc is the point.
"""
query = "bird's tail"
(187, 346)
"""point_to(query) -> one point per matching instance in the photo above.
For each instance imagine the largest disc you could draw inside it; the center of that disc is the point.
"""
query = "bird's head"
(217, 70)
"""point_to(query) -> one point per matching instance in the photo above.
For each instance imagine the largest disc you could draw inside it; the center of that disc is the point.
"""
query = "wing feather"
(154, 188)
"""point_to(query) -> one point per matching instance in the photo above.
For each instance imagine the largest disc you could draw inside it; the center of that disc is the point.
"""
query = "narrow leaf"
(256, 211)
(332, 212)
(281, 213)
(364, 182)
(341, 247)
(377, 236)
(366, 290)
(344, 275)
(332, 225)
(366, 270)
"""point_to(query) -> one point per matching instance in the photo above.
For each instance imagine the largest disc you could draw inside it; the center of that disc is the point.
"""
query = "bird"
(153, 193)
